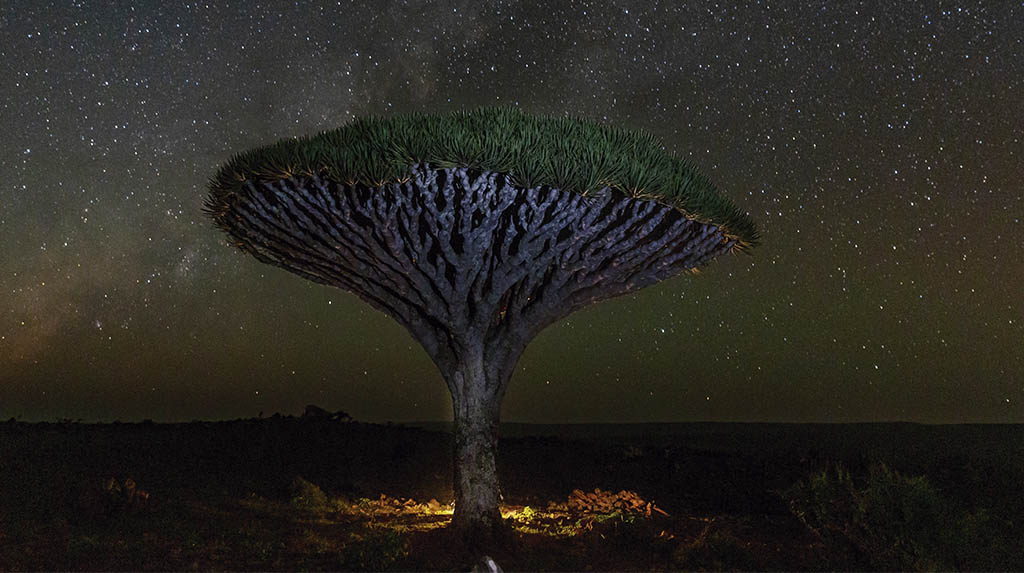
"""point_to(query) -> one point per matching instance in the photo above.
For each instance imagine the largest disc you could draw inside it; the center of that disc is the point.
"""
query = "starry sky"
(878, 146)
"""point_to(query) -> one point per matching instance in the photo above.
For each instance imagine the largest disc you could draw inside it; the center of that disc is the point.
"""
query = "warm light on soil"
(580, 512)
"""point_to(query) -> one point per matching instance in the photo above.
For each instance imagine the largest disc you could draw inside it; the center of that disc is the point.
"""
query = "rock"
(486, 565)
(600, 501)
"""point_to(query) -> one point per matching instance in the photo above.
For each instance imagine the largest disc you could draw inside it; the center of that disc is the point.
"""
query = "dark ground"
(223, 496)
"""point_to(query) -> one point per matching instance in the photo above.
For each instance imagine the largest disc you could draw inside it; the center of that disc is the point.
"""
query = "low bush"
(714, 551)
(377, 549)
(307, 495)
(890, 521)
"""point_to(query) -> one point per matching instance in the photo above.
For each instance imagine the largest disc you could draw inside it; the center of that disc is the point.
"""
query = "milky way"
(878, 147)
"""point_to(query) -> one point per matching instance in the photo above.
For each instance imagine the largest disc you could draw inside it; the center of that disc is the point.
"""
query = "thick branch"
(464, 260)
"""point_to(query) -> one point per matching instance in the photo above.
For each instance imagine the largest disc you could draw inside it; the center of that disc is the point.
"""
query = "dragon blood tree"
(475, 230)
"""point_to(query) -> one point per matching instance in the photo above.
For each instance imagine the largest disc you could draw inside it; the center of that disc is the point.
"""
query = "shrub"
(527, 514)
(714, 551)
(375, 550)
(890, 521)
(307, 495)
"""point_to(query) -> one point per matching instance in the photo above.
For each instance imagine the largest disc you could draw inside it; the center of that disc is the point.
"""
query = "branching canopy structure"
(475, 230)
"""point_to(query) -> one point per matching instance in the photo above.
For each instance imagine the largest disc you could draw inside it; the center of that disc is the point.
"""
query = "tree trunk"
(476, 402)
(476, 472)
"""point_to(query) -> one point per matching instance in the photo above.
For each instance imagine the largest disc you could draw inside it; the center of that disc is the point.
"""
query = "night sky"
(878, 146)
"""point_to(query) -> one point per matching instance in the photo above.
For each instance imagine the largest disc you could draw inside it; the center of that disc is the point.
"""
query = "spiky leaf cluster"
(562, 152)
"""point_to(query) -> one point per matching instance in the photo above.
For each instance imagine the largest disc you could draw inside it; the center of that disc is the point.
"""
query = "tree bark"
(476, 474)
(476, 403)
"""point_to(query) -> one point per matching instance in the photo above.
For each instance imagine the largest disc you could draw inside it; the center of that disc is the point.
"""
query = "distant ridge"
(633, 429)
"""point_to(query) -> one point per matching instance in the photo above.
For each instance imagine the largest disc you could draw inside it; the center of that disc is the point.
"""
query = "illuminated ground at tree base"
(313, 494)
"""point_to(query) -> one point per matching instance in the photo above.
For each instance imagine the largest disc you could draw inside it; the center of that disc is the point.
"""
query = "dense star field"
(878, 148)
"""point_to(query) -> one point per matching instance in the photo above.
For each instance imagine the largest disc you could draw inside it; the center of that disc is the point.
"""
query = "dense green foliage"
(889, 521)
(374, 549)
(562, 152)
(308, 495)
